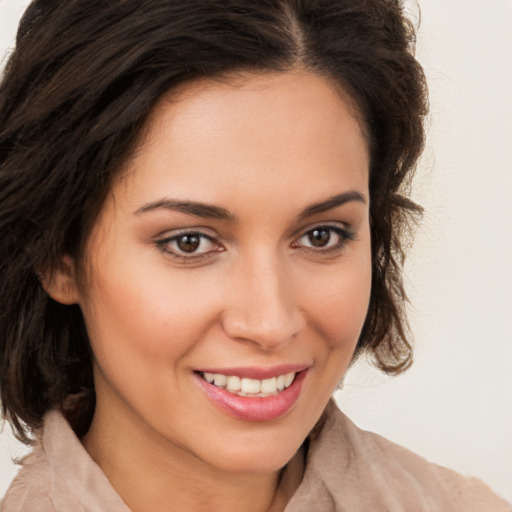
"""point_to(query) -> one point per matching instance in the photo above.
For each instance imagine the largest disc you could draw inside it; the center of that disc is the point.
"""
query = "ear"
(60, 284)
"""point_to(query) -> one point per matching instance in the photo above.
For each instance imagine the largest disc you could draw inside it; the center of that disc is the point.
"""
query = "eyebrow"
(332, 202)
(209, 211)
(195, 208)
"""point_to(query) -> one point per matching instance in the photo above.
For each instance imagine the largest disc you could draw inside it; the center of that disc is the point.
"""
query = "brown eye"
(325, 238)
(319, 237)
(188, 243)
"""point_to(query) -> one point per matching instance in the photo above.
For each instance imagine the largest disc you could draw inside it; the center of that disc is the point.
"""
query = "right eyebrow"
(198, 209)
(333, 202)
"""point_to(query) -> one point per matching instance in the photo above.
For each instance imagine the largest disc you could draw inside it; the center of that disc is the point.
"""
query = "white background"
(454, 406)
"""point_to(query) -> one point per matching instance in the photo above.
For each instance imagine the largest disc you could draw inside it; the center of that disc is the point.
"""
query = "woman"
(202, 209)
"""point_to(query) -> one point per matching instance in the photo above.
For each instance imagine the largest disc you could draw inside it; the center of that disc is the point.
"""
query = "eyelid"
(341, 229)
(345, 226)
(196, 230)
(163, 241)
(335, 225)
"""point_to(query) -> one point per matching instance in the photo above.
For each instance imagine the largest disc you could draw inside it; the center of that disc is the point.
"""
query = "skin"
(264, 148)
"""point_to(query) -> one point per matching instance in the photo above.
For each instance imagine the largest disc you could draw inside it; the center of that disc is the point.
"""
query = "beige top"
(347, 470)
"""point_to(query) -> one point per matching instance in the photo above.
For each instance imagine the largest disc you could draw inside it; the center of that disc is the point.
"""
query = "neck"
(159, 476)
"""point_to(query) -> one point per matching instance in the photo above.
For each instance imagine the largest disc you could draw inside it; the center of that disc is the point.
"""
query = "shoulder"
(369, 469)
(60, 476)
(33, 488)
(40, 485)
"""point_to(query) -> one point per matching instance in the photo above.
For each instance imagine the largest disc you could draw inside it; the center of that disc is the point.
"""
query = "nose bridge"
(264, 309)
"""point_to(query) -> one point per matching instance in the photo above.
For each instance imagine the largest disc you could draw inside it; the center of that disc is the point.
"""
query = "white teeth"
(250, 387)
(220, 380)
(234, 384)
(269, 385)
(288, 379)
(280, 382)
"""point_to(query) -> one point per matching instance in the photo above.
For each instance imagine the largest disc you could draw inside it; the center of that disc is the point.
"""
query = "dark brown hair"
(74, 98)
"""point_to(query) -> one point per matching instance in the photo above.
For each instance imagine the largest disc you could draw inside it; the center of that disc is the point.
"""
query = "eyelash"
(164, 244)
(345, 235)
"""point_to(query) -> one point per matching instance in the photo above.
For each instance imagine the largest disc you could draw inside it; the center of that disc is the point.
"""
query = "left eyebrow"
(195, 208)
(332, 202)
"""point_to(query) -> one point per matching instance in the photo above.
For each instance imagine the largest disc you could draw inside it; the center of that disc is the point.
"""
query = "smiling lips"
(250, 387)
(244, 397)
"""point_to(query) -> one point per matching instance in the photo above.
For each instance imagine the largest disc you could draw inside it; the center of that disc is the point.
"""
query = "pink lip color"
(254, 408)
(256, 373)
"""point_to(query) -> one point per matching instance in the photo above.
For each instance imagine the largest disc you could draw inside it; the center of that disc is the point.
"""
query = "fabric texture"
(347, 470)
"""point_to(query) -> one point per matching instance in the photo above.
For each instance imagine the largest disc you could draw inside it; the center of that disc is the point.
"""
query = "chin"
(256, 454)
(257, 462)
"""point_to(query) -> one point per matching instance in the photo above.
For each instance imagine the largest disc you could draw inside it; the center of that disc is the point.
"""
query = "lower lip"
(254, 408)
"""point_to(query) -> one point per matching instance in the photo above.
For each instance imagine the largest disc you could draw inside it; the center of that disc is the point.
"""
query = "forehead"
(268, 130)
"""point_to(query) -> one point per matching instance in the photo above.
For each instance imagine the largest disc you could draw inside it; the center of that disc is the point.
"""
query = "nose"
(263, 307)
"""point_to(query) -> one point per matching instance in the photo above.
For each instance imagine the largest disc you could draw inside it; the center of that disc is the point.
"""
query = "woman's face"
(235, 248)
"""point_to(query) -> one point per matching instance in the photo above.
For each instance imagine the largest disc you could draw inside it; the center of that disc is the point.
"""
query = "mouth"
(244, 386)
(253, 395)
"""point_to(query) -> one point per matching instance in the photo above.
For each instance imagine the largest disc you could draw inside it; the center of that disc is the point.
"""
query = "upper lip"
(259, 373)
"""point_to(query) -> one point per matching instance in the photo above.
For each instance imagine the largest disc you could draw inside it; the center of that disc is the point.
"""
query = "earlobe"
(60, 283)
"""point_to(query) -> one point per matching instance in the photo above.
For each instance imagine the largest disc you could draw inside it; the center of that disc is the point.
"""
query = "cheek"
(148, 313)
(338, 303)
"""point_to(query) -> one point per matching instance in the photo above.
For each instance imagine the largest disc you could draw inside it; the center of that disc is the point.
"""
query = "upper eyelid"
(345, 233)
(215, 237)
(169, 234)
(162, 244)
(327, 224)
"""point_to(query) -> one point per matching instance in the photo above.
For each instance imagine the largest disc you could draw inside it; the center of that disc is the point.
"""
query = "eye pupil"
(188, 243)
(319, 237)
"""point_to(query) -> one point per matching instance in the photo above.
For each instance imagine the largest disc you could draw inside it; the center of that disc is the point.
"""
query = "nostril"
(268, 335)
